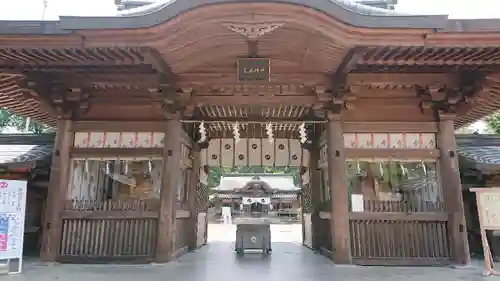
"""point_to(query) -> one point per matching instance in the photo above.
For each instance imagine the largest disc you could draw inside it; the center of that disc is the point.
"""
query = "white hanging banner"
(12, 213)
(261, 200)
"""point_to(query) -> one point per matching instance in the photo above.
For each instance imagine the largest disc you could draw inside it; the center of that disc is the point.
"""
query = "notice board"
(488, 209)
(12, 214)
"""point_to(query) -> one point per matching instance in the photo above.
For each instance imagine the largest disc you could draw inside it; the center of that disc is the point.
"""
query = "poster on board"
(12, 214)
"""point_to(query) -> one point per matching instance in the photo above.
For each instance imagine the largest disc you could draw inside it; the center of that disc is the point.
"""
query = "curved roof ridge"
(361, 8)
(349, 5)
(146, 9)
(344, 10)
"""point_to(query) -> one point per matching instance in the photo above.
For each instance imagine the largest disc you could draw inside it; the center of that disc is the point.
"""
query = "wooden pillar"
(452, 189)
(315, 189)
(194, 183)
(57, 191)
(339, 227)
(165, 247)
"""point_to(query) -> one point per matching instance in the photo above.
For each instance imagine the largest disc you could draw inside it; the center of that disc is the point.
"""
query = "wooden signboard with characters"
(488, 209)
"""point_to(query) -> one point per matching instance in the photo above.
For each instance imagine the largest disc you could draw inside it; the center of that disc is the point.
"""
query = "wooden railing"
(110, 230)
(395, 233)
(395, 238)
(402, 206)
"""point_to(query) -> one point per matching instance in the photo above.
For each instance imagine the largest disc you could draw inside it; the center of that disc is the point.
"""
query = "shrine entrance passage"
(245, 155)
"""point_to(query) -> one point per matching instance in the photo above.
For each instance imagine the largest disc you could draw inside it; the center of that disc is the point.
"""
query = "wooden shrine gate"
(397, 215)
(135, 99)
(112, 209)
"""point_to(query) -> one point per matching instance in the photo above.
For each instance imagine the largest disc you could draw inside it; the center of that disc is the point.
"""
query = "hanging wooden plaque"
(253, 69)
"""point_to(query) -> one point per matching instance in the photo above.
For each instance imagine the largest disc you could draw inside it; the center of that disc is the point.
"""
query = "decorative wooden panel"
(255, 152)
(364, 140)
(144, 139)
(268, 153)
(390, 140)
(282, 153)
(117, 139)
(241, 157)
(227, 152)
(380, 140)
(128, 140)
(296, 153)
(214, 152)
(112, 140)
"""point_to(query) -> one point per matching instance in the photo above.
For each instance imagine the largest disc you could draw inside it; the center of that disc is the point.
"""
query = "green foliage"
(493, 123)
(216, 172)
(9, 120)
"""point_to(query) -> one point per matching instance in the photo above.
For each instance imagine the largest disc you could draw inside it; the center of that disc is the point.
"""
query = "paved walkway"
(217, 262)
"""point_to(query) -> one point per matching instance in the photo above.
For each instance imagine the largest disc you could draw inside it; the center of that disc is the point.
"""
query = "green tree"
(10, 120)
(493, 123)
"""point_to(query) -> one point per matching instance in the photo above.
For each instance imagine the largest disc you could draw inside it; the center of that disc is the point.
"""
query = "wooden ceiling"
(189, 64)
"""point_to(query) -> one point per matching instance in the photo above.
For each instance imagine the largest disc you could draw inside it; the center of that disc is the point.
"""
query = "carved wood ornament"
(253, 30)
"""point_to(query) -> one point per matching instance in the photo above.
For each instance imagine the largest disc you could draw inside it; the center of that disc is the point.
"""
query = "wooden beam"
(57, 192)
(192, 198)
(418, 153)
(130, 78)
(218, 77)
(349, 62)
(171, 177)
(403, 79)
(387, 102)
(77, 152)
(339, 223)
(253, 118)
(391, 127)
(118, 126)
(153, 57)
(253, 100)
(452, 191)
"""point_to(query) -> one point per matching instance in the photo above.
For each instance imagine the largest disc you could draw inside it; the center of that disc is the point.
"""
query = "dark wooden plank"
(354, 153)
(108, 215)
(397, 216)
(117, 152)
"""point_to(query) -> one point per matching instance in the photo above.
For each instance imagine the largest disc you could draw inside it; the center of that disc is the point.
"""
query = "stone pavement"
(217, 261)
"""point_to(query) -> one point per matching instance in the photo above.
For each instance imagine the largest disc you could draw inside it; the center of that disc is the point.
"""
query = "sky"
(34, 10)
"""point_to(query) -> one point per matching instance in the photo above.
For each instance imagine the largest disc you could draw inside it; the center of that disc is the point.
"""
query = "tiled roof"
(479, 151)
(274, 196)
(283, 183)
(365, 7)
(23, 150)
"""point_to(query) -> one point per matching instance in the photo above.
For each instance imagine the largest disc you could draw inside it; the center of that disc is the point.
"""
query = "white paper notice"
(357, 203)
(12, 212)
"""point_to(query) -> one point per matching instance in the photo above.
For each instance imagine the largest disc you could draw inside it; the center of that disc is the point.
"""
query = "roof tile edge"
(344, 10)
